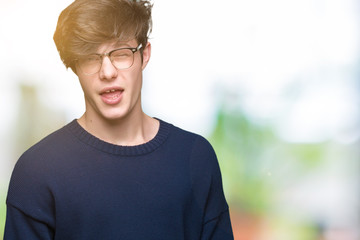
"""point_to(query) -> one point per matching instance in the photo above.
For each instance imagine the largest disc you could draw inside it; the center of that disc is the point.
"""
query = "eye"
(91, 58)
(121, 54)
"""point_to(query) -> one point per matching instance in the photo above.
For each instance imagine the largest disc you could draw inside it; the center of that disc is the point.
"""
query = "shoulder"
(39, 158)
(195, 141)
(35, 169)
(198, 147)
(33, 177)
(182, 134)
(53, 141)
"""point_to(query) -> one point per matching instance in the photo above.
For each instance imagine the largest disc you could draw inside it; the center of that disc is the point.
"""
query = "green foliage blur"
(2, 211)
(253, 159)
(256, 166)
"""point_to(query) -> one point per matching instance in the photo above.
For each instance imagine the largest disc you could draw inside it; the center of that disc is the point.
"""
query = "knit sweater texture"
(74, 186)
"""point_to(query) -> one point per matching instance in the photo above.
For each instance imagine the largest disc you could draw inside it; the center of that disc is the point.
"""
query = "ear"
(146, 55)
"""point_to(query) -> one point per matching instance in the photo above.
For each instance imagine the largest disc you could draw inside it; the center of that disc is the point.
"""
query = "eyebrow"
(115, 46)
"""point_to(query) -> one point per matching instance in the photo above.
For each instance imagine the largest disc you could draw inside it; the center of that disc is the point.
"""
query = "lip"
(111, 95)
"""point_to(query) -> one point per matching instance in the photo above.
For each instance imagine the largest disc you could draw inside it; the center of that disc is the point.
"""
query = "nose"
(107, 70)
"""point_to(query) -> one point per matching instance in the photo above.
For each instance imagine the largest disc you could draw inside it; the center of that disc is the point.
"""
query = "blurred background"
(274, 85)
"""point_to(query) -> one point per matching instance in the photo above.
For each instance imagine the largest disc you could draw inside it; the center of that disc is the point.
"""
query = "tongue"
(111, 95)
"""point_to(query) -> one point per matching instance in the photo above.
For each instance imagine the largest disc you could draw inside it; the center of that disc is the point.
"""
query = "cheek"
(135, 79)
(138, 82)
(85, 85)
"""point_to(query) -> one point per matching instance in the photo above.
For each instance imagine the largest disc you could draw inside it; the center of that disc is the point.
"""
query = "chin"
(115, 113)
(114, 116)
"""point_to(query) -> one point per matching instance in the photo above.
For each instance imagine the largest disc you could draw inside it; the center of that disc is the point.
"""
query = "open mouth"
(112, 96)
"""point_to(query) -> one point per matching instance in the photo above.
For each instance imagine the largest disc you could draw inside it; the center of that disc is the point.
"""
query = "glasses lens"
(90, 64)
(122, 58)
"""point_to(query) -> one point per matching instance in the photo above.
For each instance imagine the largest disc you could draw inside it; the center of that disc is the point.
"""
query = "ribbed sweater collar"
(101, 145)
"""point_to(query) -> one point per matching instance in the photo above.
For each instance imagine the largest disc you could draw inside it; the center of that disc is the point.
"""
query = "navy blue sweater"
(74, 186)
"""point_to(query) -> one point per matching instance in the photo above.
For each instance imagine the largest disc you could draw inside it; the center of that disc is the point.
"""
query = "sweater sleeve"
(20, 226)
(208, 192)
(30, 203)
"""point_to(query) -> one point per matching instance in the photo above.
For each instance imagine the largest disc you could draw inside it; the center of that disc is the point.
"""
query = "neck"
(127, 131)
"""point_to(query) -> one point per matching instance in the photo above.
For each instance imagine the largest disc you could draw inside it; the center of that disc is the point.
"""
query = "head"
(86, 24)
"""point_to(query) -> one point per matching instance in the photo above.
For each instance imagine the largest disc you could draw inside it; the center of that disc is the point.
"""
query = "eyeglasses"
(121, 58)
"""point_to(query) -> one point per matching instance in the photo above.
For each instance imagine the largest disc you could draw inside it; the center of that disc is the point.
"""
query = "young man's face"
(113, 94)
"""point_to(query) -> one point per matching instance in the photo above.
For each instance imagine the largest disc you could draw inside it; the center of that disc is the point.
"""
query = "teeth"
(108, 91)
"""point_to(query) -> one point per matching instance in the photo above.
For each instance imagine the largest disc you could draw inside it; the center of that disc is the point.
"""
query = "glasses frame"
(108, 54)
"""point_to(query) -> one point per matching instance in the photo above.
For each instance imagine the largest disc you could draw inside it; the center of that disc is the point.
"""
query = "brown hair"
(86, 24)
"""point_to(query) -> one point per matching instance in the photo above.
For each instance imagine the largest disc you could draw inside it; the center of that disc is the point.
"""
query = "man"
(115, 173)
